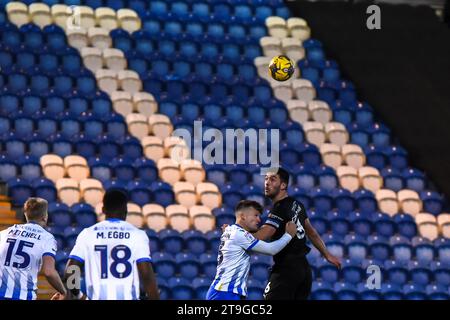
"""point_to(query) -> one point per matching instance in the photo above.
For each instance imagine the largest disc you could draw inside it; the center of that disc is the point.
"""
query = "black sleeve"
(277, 218)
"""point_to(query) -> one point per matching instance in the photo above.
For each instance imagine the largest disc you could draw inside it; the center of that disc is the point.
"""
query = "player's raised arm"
(272, 248)
(148, 279)
(317, 241)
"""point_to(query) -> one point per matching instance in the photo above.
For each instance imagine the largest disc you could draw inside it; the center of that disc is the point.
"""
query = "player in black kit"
(290, 277)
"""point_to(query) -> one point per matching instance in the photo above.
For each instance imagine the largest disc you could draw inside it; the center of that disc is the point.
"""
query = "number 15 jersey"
(110, 251)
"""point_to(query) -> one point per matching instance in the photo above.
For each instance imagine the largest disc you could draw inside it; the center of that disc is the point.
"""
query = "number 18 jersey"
(110, 251)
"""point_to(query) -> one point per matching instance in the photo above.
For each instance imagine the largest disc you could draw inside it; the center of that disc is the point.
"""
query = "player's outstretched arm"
(265, 232)
(317, 241)
(272, 248)
(50, 273)
(148, 280)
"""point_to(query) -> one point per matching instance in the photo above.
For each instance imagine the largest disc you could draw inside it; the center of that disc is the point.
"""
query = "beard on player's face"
(271, 191)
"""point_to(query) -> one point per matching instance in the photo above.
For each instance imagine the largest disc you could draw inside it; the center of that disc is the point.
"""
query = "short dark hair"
(283, 174)
(35, 208)
(115, 202)
(244, 204)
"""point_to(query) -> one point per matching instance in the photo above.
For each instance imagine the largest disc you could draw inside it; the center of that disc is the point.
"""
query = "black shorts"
(292, 282)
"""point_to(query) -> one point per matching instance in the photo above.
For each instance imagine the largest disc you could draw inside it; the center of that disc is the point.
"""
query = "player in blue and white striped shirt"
(230, 282)
(24, 250)
(115, 256)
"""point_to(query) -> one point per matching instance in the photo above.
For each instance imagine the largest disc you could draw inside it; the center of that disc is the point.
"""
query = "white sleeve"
(50, 247)
(245, 240)
(272, 248)
(78, 252)
(143, 249)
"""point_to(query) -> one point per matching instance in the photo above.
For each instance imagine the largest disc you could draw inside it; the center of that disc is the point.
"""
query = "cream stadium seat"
(155, 216)
(262, 66)
(68, 191)
(176, 149)
(169, 170)
(134, 208)
(76, 167)
(209, 195)
(145, 103)
(202, 218)
(87, 17)
(106, 18)
(348, 178)
(427, 225)
(353, 155)
(52, 167)
(160, 125)
(298, 110)
(331, 155)
(77, 38)
(128, 20)
(114, 59)
(387, 201)
(40, 14)
(304, 90)
(192, 171)
(314, 132)
(135, 219)
(137, 124)
(99, 38)
(92, 191)
(153, 147)
(178, 217)
(293, 49)
(409, 201)
(370, 178)
(185, 193)
(298, 28)
(60, 13)
(282, 90)
(123, 103)
(17, 13)
(276, 27)
(129, 81)
(92, 58)
(320, 111)
(336, 133)
(107, 80)
(271, 46)
(444, 224)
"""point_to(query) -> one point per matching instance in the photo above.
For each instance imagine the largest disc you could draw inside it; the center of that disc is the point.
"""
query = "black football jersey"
(289, 209)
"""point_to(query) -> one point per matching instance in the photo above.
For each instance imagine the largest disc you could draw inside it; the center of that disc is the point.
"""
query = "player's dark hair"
(115, 203)
(35, 208)
(244, 204)
(283, 174)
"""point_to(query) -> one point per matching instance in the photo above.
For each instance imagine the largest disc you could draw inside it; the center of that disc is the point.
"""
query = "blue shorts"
(213, 294)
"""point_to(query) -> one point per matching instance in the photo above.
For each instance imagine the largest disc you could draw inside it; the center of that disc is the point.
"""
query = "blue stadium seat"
(195, 242)
(396, 273)
(368, 294)
(253, 192)
(139, 193)
(38, 147)
(346, 291)
(171, 240)
(146, 169)
(414, 292)
(375, 157)
(432, 202)
(420, 275)
(71, 234)
(115, 184)
(343, 199)
(322, 291)
(31, 104)
(379, 249)
(398, 157)
(224, 215)
(162, 193)
(209, 264)
(441, 273)
(100, 169)
(304, 177)
(155, 244)
(69, 127)
(214, 239)
(231, 194)
(61, 146)
(319, 221)
(164, 264)
(60, 215)
(55, 39)
(424, 250)
(352, 272)
(310, 154)
(84, 214)
(356, 248)
(123, 169)
(339, 222)
(384, 226)
(188, 265)
(443, 250)
(19, 190)
(392, 179)
(45, 188)
(361, 224)
(164, 291)
(8, 168)
(238, 175)
(406, 225)
(255, 289)
(437, 292)
(29, 167)
(365, 200)
(392, 291)
(61, 258)
(259, 266)
(327, 178)
(401, 249)
(335, 244)
(15, 148)
(201, 287)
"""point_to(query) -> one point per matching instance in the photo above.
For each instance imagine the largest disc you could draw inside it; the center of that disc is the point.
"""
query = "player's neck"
(280, 196)
(40, 223)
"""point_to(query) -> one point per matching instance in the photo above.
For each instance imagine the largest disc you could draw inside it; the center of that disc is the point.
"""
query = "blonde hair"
(35, 208)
